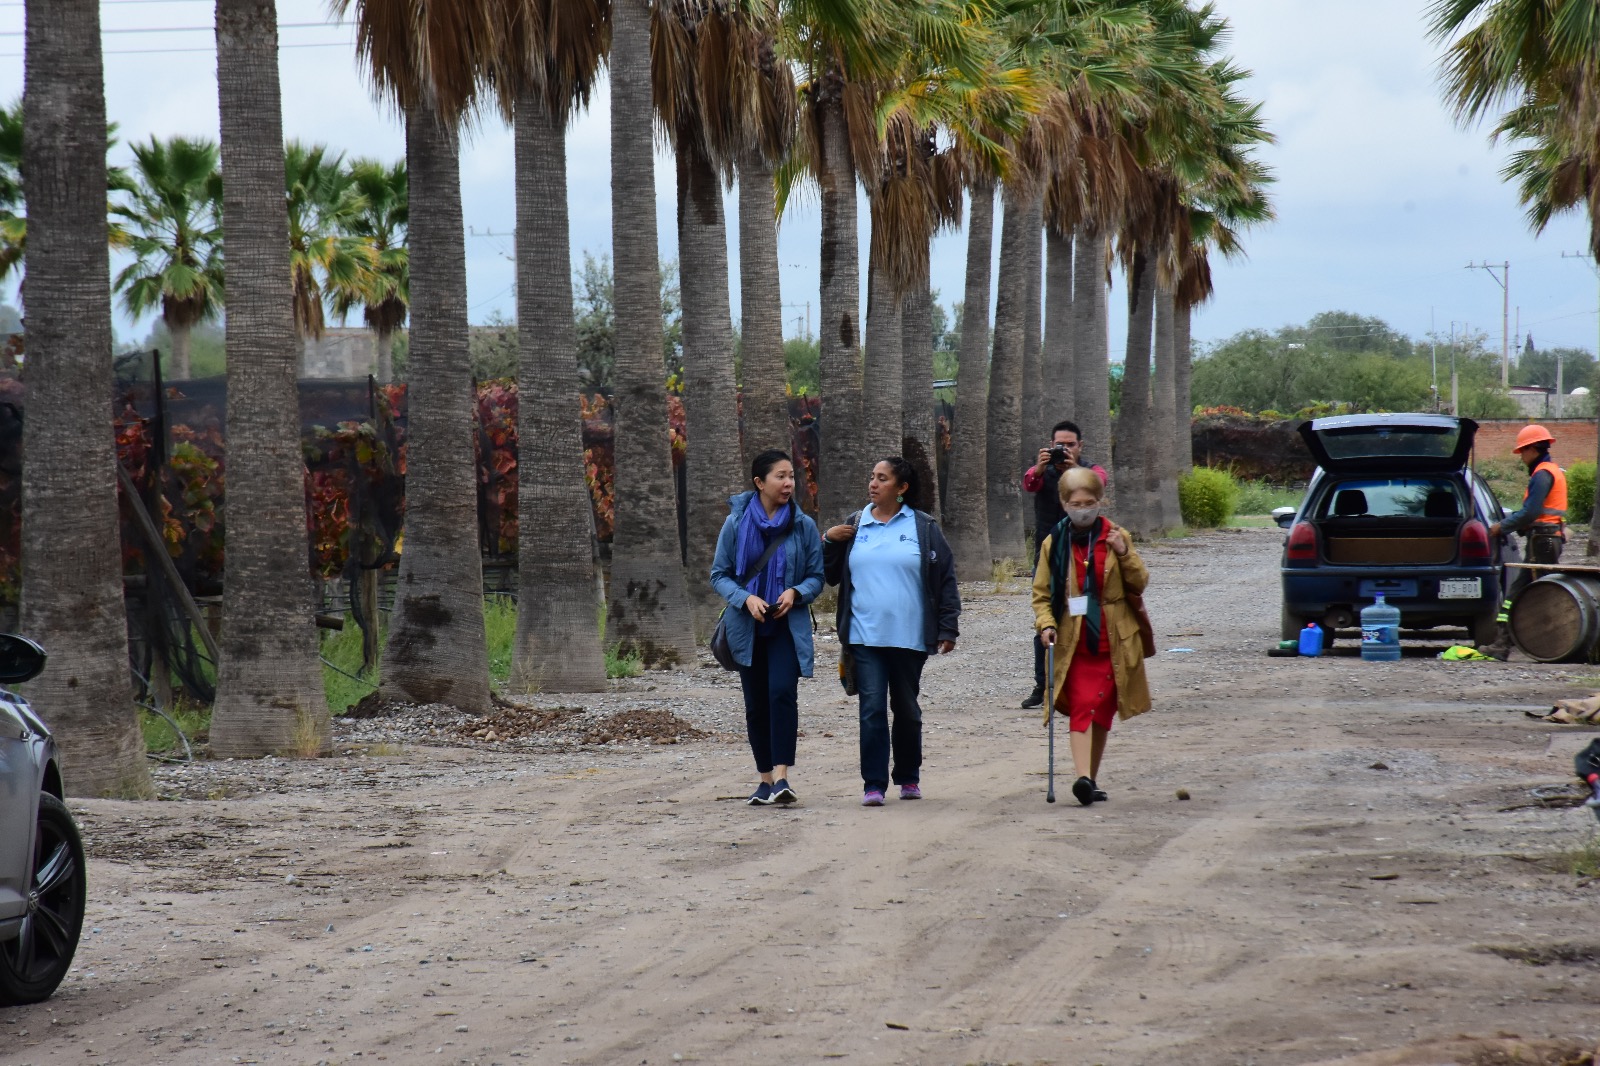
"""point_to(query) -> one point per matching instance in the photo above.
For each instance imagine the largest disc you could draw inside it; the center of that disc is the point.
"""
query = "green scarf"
(1061, 539)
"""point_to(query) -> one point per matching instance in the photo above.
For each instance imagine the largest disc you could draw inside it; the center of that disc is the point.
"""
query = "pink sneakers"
(872, 798)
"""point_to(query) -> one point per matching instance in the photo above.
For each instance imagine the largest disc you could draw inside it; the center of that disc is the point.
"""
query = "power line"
(193, 29)
(203, 48)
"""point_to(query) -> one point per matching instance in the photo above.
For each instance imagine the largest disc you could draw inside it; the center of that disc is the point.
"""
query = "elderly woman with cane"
(1087, 571)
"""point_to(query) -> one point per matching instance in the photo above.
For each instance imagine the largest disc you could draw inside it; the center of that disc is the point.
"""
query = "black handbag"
(719, 636)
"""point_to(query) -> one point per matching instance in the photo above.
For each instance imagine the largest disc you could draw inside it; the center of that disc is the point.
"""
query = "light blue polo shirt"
(886, 601)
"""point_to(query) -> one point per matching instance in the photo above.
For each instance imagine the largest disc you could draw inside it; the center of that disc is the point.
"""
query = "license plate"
(1461, 588)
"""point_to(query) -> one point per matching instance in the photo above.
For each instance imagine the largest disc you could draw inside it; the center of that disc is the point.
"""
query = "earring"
(899, 499)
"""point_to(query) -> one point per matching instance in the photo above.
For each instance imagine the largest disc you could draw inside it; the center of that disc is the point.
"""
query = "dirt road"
(1359, 868)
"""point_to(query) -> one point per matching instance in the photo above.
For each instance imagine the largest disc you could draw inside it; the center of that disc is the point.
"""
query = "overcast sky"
(1381, 200)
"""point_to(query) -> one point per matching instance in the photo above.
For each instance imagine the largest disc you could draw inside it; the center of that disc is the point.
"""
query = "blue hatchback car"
(1393, 509)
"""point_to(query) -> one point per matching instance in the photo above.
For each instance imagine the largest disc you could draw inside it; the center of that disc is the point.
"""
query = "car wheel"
(33, 963)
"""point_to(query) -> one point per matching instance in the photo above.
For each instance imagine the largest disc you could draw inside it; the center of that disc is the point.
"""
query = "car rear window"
(1398, 497)
(1373, 442)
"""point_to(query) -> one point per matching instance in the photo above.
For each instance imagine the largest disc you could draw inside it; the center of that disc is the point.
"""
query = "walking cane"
(1050, 688)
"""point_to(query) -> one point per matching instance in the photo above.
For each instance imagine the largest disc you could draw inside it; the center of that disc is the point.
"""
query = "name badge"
(1077, 606)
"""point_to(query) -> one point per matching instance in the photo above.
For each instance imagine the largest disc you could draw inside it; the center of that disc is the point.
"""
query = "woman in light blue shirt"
(768, 567)
(898, 603)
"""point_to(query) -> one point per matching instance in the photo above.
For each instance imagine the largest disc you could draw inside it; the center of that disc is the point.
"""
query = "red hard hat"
(1532, 435)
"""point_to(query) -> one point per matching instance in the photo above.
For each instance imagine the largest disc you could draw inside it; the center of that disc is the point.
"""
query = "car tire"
(33, 963)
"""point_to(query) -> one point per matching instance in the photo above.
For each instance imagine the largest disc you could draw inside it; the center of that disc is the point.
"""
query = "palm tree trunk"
(766, 399)
(71, 547)
(1057, 362)
(270, 698)
(1091, 406)
(1132, 453)
(178, 362)
(1183, 342)
(1033, 388)
(714, 467)
(436, 652)
(1006, 381)
(557, 644)
(966, 504)
(883, 394)
(919, 430)
(648, 612)
(1161, 476)
(383, 341)
(841, 472)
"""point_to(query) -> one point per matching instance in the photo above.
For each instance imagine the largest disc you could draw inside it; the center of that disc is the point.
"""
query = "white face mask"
(1083, 517)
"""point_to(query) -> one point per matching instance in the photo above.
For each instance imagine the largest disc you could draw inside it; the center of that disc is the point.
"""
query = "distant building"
(342, 352)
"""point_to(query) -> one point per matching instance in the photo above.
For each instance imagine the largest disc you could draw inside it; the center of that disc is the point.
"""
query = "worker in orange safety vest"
(1541, 520)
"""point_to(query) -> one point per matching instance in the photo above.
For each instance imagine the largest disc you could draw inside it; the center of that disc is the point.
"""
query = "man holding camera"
(1043, 480)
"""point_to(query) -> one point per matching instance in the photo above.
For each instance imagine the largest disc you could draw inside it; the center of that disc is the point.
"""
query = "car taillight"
(1302, 546)
(1475, 542)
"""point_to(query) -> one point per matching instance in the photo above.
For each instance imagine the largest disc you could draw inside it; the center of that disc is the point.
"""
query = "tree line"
(1083, 135)
(1358, 362)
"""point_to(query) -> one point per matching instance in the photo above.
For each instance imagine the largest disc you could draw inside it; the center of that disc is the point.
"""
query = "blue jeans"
(771, 686)
(885, 678)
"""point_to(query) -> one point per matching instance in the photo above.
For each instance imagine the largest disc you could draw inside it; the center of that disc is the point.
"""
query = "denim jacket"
(802, 572)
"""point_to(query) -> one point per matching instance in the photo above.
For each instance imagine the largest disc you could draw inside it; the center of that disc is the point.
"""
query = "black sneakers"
(1083, 791)
(1035, 699)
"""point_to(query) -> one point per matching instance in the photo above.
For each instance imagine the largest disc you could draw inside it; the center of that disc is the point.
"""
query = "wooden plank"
(1557, 568)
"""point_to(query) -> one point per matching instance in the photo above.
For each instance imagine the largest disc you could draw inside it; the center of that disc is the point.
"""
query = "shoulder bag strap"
(766, 556)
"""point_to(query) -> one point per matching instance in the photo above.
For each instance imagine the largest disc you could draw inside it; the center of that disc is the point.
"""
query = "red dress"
(1090, 692)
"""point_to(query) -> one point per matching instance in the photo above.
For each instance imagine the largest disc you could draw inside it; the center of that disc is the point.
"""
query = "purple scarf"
(755, 530)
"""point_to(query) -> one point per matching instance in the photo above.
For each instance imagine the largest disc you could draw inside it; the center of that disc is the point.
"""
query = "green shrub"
(1261, 497)
(1207, 497)
(1580, 492)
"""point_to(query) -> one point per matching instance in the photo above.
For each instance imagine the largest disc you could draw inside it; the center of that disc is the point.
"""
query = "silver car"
(43, 885)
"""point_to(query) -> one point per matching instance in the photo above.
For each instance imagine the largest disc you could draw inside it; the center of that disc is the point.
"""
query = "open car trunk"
(1388, 541)
(1390, 443)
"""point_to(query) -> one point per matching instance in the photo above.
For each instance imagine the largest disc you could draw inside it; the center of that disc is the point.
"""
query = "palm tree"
(173, 216)
(382, 285)
(763, 390)
(560, 45)
(1540, 61)
(13, 226)
(270, 698)
(71, 548)
(324, 257)
(1019, 227)
(649, 601)
(430, 62)
(708, 82)
(1056, 357)
(966, 506)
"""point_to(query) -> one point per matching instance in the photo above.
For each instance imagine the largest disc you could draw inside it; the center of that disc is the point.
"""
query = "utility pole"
(1433, 345)
(1503, 279)
(1455, 382)
(1590, 258)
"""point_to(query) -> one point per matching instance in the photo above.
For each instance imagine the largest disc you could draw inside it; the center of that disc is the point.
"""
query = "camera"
(1058, 453)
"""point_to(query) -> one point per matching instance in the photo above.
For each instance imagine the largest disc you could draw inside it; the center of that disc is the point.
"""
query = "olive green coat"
(1119, 577)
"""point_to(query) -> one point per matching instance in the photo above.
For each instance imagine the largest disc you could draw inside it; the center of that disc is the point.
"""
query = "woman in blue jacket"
(898, 604)
(770, 542)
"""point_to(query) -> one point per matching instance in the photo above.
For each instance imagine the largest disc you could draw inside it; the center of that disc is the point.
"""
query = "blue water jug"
(1311, 640)
(1380, 632)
